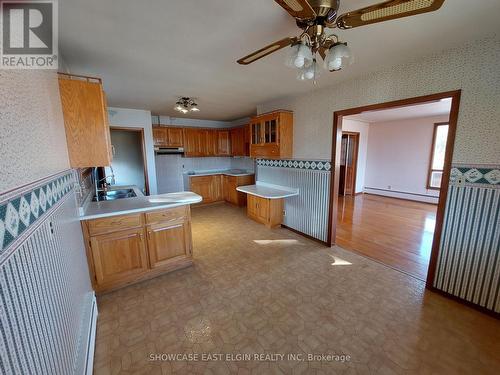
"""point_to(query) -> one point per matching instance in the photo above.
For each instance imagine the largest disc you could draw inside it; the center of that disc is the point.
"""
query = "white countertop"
(269, 191)
(95, 210)
(227, 172)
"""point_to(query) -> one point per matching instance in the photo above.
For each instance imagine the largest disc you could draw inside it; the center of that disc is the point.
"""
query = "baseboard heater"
(89, 364)
(402, 194)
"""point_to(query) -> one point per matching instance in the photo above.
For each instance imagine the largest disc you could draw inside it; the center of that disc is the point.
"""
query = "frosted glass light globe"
(338, 57)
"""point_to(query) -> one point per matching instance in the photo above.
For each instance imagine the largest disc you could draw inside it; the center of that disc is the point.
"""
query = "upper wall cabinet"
(168, 137)
(240, 141)
(271, 135)
(223, 143)
(213, 142)
(86, 121)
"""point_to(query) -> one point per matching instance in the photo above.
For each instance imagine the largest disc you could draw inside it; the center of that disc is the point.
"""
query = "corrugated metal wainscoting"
(469, 257)
(46, 299)
(307, 212)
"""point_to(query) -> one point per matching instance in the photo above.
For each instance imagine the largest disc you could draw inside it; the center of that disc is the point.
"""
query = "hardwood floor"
(392, 231)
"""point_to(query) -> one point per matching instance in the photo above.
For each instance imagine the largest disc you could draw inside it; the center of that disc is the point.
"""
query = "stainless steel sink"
(111, 195)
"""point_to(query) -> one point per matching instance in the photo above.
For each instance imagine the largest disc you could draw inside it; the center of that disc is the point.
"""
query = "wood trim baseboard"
(305, 235)
(474, 306)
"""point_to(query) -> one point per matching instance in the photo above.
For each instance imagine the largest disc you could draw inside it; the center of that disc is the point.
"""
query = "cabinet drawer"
(167, 215)
(266, 150)
(113, 224)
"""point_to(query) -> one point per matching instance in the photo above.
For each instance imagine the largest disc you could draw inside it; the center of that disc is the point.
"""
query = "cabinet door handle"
(149, 234)
(141, 236)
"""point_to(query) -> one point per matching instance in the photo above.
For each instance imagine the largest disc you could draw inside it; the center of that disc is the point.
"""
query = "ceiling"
(149, 53)
(436, 108)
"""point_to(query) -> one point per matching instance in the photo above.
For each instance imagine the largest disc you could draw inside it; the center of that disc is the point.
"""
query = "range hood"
(169, 150)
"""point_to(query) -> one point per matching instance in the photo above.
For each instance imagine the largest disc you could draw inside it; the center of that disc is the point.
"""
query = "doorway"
(348, 163)
(391, 206)
(129, 165)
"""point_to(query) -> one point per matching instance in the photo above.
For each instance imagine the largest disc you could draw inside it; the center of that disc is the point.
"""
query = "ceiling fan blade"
(298, 8)
(388, 10)
(266, 50)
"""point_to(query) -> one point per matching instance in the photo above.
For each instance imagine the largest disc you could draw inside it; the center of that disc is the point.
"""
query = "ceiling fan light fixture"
(292, 55)
(338, 56)
(308, 72)
(303, 57)
(186, 104)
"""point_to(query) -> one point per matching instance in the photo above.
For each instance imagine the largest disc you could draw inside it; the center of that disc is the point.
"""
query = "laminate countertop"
(96, 210)
(226, 172)
(268, 191)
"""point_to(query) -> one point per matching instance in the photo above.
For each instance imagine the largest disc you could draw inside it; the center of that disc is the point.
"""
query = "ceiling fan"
(314, 16)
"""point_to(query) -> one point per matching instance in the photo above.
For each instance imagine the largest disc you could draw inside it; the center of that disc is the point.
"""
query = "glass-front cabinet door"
(271, 130)
(256, 133)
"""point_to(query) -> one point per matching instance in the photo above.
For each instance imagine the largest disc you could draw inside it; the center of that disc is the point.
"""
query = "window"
(437, 155)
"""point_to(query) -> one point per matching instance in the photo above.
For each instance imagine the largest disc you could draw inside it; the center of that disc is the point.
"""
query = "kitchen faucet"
(97, 181)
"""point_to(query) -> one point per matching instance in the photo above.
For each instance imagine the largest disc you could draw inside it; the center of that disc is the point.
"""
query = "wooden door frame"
(143, 150)
(357, 135)
(335, 160)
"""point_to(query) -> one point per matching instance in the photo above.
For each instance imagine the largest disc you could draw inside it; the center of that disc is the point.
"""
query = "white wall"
(363, 129)
(472, 67)
(137, 118)
(399, 157)
(32, 135)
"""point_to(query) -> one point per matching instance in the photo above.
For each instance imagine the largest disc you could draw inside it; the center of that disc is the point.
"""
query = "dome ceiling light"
(314, 16)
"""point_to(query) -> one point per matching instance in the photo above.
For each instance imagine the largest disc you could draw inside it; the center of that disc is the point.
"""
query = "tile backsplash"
(170, 168)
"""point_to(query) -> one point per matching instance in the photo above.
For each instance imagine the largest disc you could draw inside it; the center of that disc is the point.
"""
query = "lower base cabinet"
(119, 256)
(125, 249)
(209, 187)
(167, 242)
(265, 211)
(232, 195)
(218, 188)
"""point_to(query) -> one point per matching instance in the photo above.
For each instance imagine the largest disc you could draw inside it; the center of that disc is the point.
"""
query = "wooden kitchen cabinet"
(125, 249)
(216, 188)
(167, 242)
(212, 142)
(240, 141)
(265, 211)
(192, 142)
(175, 137)
(86, 121)
(168, 137)
(223, 143)
(209, 187)
(230, 193)
(217, 185)
(202, 185)
(119, 257)
(271, 135)
(160, 136)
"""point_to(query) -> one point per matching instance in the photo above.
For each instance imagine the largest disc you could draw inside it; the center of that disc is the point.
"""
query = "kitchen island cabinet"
(128, 248)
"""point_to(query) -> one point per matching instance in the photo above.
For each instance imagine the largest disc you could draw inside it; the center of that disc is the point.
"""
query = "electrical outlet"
(284, 213)
(389, 187)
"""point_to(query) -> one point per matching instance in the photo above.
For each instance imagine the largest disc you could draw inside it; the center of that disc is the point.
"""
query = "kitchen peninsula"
(134, 239)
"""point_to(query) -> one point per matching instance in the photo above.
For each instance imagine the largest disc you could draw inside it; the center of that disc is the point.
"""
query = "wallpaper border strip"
(23, 208)
(315, 165)
(478, 175)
